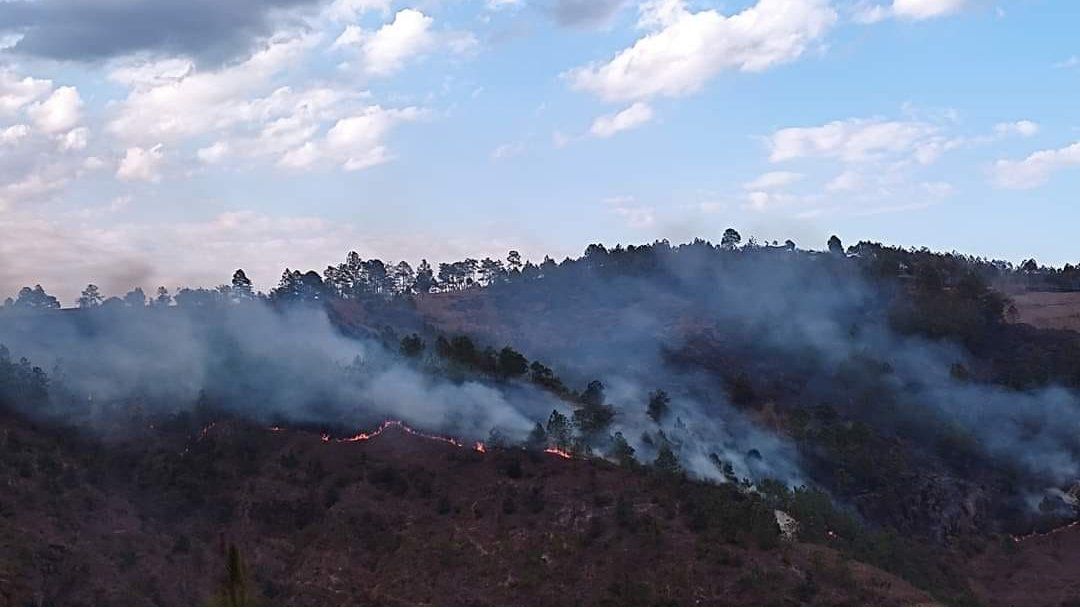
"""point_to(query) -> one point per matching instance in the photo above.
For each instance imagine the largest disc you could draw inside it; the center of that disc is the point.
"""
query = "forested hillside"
(885, 399)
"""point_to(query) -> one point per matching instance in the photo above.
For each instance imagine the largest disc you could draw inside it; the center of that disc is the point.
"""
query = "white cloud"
(14, 134)
(349, 10)
(847, 181)
(1036, 169)
(913, 10)
(858, 140)
(169, 102)
(632, 214)
(355, 142)
(141, 164)
(509, 150)
(685, 49)
(1023, 128)
(410, 35)
(773, 180)
(926, 9)
(632, 117)
(75, 139)
(16, 92)
(214, 153)
(497, 5)
(60, 112)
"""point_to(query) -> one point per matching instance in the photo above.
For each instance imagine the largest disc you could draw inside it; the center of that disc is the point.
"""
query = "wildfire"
(404, 427)
(206, 430)
(1031, 535)
(479, 447)
(559, 453)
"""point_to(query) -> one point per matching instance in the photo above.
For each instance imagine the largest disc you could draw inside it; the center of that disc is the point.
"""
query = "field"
(1048, 309)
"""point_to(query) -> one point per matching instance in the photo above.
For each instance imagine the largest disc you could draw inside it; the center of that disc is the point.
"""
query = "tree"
(594, 416)
(403, 277)
(235, 589)
(163, 298)
(789, 245)
(666, 462)
(537, 438)
(511, 364)
(659, 403)
(835, 246)
(621, 451)
(91, 297)
(491, 271)
(593, 395)
(412, 346)
(558, 430)
(135, 298)
(513, 262)
(241, 286)
(425, 277)
(35, 299)
(731, 239)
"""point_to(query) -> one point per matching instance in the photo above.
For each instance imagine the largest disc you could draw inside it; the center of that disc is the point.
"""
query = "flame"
(404, 427)
(1023, 537)
(479, 447)
(325, 437)
(206, 430)
(559, 453)
(276, 429)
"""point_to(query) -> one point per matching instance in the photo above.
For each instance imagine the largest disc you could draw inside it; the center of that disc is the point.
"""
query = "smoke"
(289, 366)
(808, 327)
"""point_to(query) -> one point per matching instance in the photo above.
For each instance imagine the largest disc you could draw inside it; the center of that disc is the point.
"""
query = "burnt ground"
(394, 520)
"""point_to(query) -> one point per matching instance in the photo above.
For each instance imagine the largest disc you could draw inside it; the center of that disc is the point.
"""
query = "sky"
(169, 142)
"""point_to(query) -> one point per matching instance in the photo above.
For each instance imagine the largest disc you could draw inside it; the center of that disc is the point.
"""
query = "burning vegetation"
(881, 400)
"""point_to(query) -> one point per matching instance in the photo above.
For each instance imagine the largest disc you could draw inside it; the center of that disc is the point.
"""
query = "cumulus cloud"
(913, 10)
(858, 140)
(1023, 128)
(355, 142)
(75, 139)
(61, 111)
(14, 134)
(141, 164)
(1036, 169)
(632, 214)
(683, 49)
(632, 117)
(210, 30)
(773, 180)
(18, 91)
(170, 100)
(388, 49)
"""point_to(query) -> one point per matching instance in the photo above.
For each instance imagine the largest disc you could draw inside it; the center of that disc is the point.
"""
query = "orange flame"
(1024, 537)
(206, 430)
(559, 453)
(479, 447)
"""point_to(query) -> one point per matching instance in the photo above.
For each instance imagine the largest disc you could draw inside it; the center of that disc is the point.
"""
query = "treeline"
(358, 279)
(589, 426)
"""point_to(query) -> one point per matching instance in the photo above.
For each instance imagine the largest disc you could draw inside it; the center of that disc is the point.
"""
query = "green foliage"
(235, 588)
(511, 364)
(621, 451)
(559, 431)
(659, 404)
(412, 346)
(666, 462)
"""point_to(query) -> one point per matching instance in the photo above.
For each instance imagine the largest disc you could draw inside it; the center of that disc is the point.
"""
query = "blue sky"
(169, 142)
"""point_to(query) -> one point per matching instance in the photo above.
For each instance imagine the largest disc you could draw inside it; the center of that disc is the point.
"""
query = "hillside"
(631, 426)
(398, 519)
